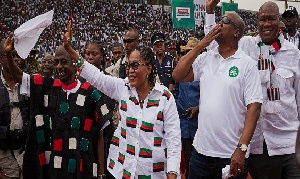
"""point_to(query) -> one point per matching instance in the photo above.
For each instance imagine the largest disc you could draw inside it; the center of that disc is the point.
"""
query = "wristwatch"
(243, 147)
(173, 172)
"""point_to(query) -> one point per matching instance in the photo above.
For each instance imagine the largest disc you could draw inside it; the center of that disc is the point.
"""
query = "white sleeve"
(25, 86)
(253, 89)
(209, 25)
(111, 86)
(172, 135)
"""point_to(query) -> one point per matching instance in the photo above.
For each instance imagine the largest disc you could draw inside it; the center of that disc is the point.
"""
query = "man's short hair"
(117, 44)
(135, 31)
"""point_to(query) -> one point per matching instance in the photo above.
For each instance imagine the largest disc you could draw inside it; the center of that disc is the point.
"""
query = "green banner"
(229, 7)
(183, 14)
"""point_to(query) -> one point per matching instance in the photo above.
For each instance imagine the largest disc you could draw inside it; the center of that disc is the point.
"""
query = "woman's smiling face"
(137, 70)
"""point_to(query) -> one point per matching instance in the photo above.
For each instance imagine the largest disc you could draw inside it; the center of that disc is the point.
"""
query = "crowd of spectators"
(105, 21)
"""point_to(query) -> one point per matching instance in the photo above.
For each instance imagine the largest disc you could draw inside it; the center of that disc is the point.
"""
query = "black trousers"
(263, 166)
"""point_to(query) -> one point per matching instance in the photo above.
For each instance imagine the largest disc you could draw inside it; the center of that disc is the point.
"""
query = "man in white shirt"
(273, 143)
(230, 100)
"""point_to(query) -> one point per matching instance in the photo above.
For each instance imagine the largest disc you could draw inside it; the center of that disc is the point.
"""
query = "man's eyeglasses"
(62, 62)
(128, 41)
(47, 61)
(134, 65)
(227, 20)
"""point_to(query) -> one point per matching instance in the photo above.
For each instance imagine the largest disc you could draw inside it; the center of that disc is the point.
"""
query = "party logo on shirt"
(111, 163)
(134, 100)
(145, 153)
(121, 158)
(123, 105)
(152, 103)
(130, 149)
(126, 174)
(167, 94)
(131, 122)
(157, 141)
(160, 116)
(147, 127)
(159, 166)
(123, 132)
(115, 141)
(233, 72)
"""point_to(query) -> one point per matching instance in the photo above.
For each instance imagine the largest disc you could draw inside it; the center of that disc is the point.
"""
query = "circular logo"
(233, 72)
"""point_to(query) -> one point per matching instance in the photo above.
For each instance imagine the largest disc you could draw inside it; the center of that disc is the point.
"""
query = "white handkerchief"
(28, 33)
(57, 161)
(80, 100)
(226, 172)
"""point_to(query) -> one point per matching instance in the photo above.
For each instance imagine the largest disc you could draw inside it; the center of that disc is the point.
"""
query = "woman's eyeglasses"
(227, 20)
(128, 41)
(134, 65)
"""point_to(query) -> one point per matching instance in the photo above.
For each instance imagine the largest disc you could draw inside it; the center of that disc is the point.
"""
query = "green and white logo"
(233, 72)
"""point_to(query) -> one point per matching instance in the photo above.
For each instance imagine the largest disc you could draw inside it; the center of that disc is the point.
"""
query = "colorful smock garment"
(147, 142)
(64, 129)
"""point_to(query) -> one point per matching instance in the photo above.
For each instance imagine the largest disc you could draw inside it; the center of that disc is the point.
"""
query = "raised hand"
(210, 6)
(67, 42)
(9, 43)
(212, 35)
(68, 35)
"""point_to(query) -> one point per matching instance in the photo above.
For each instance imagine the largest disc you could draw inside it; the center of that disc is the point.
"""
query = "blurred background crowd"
(106, 21)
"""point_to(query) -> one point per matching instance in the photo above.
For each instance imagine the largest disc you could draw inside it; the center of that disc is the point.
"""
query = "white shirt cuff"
(210, 19)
